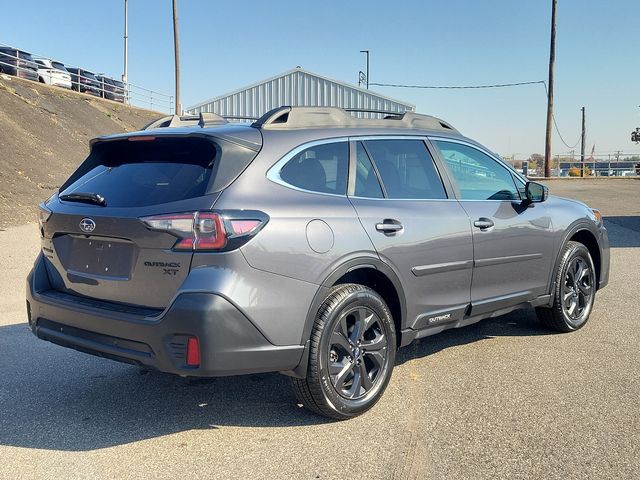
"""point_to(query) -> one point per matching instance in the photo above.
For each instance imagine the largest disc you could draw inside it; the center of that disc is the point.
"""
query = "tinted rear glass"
(135, 174)
(89, 75)
(59, 66)
(25, 56)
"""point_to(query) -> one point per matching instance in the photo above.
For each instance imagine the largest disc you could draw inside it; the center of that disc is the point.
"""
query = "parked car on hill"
(84, 81)
(53, 73)
(311, 243)
(111, 89)
(18, 63)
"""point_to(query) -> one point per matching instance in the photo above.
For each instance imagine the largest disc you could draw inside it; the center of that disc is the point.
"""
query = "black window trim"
(515, 175)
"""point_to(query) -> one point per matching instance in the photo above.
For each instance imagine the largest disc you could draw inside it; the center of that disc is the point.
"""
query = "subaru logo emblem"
(87, 225)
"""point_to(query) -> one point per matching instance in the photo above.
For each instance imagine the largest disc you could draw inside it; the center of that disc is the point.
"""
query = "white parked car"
(53, 73)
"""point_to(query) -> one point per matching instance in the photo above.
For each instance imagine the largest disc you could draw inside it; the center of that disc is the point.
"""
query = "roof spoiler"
(204, 119)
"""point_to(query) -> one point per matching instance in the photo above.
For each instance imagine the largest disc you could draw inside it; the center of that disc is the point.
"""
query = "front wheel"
(574, 291)
(352, 353)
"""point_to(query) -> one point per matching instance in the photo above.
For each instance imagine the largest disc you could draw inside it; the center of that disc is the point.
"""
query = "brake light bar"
(206, 230)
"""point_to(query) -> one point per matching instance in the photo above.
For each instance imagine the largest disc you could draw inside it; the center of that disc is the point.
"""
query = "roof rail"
(204, 119)
(283, 118)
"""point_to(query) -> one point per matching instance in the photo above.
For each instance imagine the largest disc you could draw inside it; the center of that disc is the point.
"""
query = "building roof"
(301, 72)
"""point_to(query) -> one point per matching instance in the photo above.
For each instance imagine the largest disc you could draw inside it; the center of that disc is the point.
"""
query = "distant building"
(297, 87)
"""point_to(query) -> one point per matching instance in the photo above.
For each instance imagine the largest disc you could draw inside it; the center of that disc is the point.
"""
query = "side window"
(406, 169)
(321, 168)
(367, 184)
(477, 175)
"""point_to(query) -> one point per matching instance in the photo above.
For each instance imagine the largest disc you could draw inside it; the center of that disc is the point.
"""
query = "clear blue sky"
(226, 45)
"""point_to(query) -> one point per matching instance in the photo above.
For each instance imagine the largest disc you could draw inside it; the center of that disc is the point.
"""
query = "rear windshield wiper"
(95, 198)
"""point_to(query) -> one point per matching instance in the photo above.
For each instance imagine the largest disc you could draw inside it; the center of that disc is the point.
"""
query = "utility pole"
(582, 145)
(552, 59)
(176, 49)
(367, 74)
(125, 75)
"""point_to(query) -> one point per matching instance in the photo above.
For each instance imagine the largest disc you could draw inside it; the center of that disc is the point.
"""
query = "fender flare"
(344, 268)
(569, 232)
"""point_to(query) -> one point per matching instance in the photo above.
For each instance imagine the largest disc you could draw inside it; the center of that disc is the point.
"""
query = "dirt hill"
(44, 135)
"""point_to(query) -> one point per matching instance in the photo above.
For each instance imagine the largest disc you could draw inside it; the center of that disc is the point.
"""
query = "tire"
(348, 368)
(573, 297)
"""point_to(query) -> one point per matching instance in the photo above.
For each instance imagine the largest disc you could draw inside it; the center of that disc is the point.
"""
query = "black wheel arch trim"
(350, 266)
(576, 227)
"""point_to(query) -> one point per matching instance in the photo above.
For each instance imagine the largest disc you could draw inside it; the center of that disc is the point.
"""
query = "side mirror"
(536, 192)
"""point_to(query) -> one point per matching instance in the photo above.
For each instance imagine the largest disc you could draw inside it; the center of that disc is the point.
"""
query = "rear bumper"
(229, 343)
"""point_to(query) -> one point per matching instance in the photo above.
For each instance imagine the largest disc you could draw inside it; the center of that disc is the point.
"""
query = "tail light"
(43, 215)
(209, 231)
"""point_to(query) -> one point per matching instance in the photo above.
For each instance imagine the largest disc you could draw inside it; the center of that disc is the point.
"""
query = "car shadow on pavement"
(624, 231)
(57, 399)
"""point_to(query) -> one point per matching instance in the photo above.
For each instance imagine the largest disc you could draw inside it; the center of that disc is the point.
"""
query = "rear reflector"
(193, 352)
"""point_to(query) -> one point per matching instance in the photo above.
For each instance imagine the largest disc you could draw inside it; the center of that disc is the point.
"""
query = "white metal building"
(297, 87)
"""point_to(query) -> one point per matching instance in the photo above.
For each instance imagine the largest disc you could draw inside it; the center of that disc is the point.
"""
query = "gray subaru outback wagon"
(311, 243)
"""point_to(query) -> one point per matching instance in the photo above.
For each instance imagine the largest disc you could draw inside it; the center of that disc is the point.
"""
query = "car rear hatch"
(100, 240)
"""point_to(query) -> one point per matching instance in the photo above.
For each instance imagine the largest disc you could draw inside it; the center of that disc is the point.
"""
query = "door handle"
(483, 223)
(389, 226)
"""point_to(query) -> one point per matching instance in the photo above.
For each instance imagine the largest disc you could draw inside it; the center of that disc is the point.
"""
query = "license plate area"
(96, 257)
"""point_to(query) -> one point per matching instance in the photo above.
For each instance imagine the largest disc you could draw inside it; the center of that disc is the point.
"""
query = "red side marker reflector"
(193, 352)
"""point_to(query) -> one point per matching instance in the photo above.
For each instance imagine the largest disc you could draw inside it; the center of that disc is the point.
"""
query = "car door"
(404, 206)
(512, 240)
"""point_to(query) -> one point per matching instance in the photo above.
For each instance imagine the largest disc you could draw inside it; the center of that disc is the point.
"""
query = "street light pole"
(176, 49)
(367, 78)
(125, 75)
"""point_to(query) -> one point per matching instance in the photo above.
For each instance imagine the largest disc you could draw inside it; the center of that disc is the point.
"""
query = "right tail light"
(209, 231)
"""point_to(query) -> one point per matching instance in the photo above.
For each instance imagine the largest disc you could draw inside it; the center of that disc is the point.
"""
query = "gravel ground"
(500, 399)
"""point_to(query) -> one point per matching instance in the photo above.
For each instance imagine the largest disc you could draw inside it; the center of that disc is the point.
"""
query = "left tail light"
(43, 215)
(209, 231)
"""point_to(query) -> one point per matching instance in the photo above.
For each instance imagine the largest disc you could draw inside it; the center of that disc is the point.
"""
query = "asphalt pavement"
(504, 398)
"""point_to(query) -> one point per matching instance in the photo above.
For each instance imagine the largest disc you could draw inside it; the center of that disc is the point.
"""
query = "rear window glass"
(25, 56)
(321, 168)
(135, 174)
(59, 66)
(89, 75)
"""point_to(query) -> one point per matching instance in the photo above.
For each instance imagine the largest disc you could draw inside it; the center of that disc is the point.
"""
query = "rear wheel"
(352, 353)
(574, 291)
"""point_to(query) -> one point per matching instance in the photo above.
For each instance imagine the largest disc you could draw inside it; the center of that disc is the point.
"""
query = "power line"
(496, 85)
(459, 87)
(555, 124)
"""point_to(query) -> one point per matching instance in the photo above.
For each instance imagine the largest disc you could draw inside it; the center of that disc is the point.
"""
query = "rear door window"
(367, 184)
(320, 168)
(406, 169)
